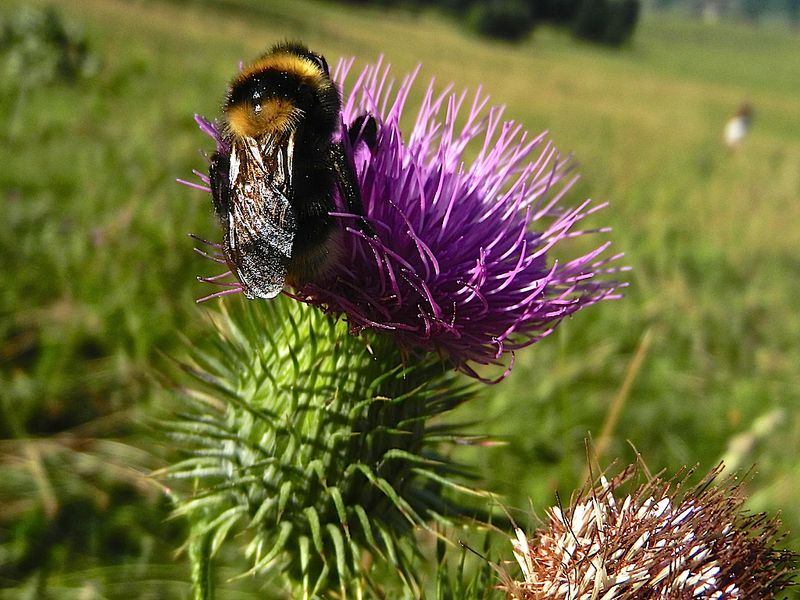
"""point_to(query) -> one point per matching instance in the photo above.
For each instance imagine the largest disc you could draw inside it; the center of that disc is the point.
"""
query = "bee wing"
(261, 222)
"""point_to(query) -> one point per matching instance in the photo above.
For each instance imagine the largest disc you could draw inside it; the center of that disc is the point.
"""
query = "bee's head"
(287, 86)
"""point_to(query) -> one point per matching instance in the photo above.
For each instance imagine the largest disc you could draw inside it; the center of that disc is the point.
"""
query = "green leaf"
(316, 529)
(284, 532)
(338, 502)
(339, 546)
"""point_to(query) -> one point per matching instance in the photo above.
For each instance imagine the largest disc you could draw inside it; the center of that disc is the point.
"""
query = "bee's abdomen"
(313, 184)
(314, 249)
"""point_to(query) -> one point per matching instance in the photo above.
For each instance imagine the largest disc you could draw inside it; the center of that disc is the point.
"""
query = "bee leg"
(348, 185)
(218, 174)
(365, 128)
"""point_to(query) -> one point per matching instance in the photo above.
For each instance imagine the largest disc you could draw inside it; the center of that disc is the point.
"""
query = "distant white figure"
(738, 125)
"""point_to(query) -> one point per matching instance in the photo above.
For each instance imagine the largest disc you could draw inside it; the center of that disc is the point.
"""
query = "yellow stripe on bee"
(285, 62)
(275, 116)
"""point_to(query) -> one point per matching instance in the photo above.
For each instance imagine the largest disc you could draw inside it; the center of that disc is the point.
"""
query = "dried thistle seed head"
(657, 543)
(313, 446)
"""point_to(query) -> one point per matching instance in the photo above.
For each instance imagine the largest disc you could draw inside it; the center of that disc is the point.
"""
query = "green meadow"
(699, 362)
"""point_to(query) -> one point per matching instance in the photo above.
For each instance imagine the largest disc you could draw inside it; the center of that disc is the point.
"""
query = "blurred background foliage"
(698, 362)
(610, 22)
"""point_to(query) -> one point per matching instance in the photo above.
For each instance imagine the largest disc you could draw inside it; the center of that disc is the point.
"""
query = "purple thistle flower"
(460, 257)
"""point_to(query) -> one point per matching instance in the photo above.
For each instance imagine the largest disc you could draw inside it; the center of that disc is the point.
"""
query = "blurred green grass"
(98, 274)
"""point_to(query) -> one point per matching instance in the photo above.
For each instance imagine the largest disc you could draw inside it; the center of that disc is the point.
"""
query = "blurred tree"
(621, 21)
(505, 19)
(753, 9)
(590, 20)
(556, 11)
(793, 11)
(458, 6)
(607, 22)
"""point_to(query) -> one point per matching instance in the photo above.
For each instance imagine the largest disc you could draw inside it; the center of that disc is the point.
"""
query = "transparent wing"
(261, 222)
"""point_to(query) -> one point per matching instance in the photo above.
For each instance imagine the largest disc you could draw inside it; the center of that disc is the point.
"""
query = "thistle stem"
(202, 576)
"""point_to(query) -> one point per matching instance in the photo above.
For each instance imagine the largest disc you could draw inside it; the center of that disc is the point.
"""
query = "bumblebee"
(274, 192)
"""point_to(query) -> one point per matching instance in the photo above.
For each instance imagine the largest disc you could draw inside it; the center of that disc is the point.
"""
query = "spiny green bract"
(319, 446)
